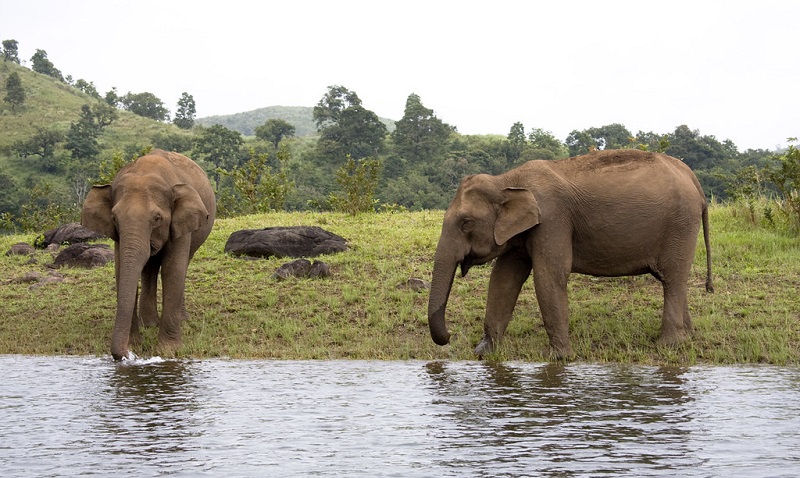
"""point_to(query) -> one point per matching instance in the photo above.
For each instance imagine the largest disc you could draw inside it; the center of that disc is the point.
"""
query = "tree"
(15, 93)
(41, 64)
(145, 104)
(219, 146)
(112, 98)
(541, 139)
(10, 51)
(613, 136)
(184, 116)
(346, 127)
(42, 143)
(696, 150)
(104, 115)
(786, 177)
(274, 130)
(542, 145)
(9, 194)
(82, 135)
(420, 137)
(329, 109)
(88, 88)
(257, 188)
(359, 180)
(516, 141)
(650, 141)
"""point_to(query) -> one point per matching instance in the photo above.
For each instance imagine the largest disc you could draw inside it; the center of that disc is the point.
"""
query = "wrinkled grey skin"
(608, 213)
(158, 211)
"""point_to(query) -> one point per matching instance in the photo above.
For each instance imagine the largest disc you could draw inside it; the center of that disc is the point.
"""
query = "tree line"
(353, 163)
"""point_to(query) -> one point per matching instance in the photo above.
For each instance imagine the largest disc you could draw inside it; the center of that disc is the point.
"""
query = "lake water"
(68, 416)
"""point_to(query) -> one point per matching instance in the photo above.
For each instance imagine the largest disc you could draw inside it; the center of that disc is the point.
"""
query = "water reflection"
(148, 409)
(69, 416)
(555, 418)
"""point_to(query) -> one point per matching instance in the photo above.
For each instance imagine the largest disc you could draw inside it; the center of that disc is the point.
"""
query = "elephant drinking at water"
(158, 210)
(608, 213)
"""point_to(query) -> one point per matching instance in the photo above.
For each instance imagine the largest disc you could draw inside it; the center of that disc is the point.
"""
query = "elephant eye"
(467, 225)
(157, 219)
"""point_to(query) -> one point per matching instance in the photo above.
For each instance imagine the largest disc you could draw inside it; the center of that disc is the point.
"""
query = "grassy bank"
(363, 311)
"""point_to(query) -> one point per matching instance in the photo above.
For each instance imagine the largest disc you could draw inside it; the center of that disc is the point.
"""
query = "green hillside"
(50, 103)
(301, 117)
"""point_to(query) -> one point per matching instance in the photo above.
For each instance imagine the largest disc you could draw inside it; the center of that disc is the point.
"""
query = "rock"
(415, 284)
(71, 233)
(319, 270)
(295, 241)
(21, 249)
(30, 276)
(84, 255)
(51, 278)
(302, 268)
(37, 279)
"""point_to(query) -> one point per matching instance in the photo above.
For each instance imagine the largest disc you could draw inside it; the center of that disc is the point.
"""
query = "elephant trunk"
(131, 257)
(444, 270)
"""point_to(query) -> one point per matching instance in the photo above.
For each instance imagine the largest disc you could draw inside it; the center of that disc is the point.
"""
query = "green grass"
(361, 312)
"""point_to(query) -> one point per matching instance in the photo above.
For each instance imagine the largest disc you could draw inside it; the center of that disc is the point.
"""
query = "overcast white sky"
(727, 68)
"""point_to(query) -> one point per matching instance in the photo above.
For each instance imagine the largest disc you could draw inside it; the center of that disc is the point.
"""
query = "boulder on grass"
(295, 241)
(71, 233)
(84, 255)
(21, 249)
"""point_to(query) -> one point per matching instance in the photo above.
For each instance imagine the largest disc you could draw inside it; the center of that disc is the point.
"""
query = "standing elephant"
(608, 213)
(158, 211)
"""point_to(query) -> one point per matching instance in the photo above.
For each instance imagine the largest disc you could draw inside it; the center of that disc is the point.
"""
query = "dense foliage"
(59, 134)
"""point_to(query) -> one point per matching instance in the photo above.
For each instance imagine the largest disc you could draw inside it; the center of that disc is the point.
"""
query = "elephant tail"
(709, 282)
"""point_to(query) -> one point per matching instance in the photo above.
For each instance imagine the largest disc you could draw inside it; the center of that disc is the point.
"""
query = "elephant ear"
(188, 211)
(96, 212)
(519, 212)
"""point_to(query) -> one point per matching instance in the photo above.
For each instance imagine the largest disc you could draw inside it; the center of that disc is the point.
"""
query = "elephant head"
(484, 215)
(141, 213)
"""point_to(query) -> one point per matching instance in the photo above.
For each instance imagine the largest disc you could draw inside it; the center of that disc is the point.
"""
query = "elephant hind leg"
(135, 337)
(676, 323)
(148, 303)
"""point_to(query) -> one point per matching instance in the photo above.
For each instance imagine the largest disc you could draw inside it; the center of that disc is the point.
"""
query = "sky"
(725, 68)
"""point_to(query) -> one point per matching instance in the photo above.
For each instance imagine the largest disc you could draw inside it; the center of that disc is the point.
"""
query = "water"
(68, 416)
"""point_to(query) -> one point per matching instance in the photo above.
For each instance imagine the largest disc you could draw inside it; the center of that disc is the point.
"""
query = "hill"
(301, 117)
(52, 104)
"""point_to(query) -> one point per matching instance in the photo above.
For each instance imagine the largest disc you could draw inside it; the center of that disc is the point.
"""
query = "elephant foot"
(485, 347)
(671, 339)
(168, 347)
(121, 357)
(560, 353)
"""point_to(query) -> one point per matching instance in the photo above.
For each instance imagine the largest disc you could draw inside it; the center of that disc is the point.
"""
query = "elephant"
(158, 210)
(608, 213)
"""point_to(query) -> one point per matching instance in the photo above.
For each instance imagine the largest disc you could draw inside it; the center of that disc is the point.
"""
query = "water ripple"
(72, 416)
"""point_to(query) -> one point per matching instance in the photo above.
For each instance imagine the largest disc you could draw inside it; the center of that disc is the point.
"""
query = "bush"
(786, 177)
(359, 180)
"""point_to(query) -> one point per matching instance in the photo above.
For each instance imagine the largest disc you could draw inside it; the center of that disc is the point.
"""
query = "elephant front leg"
(510, 272)
(551, 292)
(173, 279)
